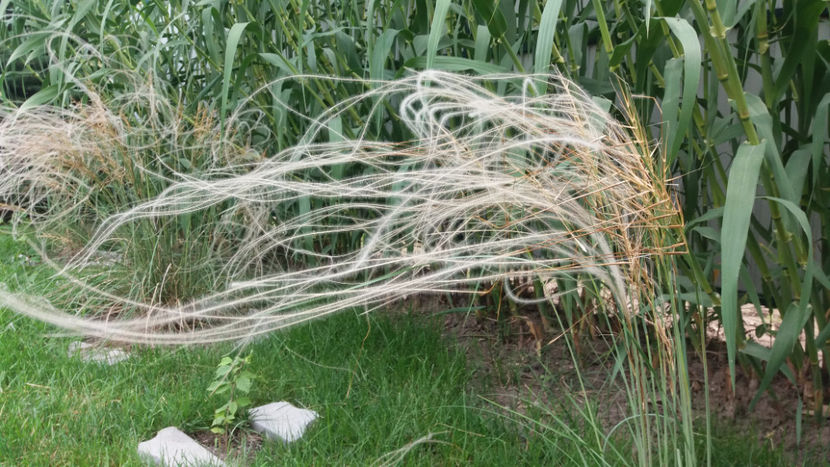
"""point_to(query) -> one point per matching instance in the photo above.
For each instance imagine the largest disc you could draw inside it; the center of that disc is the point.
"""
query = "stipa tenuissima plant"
(489, 188)
(486, 189)
(66, 169)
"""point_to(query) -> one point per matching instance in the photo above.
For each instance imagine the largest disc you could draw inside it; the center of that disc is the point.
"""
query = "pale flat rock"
(172, 448)
(91, 353)
(281, 420)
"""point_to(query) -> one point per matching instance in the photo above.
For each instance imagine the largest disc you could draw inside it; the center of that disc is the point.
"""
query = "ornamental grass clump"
(172, 229)
(64, 170)
(487, 189)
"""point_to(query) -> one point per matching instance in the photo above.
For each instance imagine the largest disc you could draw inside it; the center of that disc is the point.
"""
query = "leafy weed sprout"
(234, 381)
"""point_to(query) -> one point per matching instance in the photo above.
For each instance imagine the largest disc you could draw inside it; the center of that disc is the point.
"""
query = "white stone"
(172, 448)
(91, 353)
(281, 420)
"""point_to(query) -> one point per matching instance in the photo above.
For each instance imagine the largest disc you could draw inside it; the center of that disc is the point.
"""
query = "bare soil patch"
(237, 445)
(773, 417)
(521, 360)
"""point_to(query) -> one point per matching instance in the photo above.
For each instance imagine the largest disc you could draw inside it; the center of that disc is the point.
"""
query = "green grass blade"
(819, 133)
(797, 316)
(760, 116)
(41, 97)
(728, 10)
(740, 11)
(279, 61)
(822, 337)
(756, 350)
(785, 338)
(234, 37)
(436, 30)
(210, 24)
(740, 196)
(496, 22)
(691, 78)
(455, 64)
(381, 51)
(807, 15)
(544, 42)
(673, 75)
(797, 168)
(621, 52)
(603, 27)
(81, 10)
(31, 47)
(369, 33)
(709, 215)
(482, 44)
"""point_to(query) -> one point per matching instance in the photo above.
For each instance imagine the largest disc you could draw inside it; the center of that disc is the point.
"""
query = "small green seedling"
(234, 380)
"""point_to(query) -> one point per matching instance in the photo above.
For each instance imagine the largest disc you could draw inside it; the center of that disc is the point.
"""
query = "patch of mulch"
(773, 417)
(239, 445)
(521, 360)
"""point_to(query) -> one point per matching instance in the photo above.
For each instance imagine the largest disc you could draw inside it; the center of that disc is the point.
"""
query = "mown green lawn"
(378, 383)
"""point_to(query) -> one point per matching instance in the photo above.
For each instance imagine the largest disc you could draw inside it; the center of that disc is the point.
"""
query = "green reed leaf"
(740, 197)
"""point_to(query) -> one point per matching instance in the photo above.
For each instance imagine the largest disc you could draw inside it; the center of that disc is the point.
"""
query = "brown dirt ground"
(522, 362)
(240, 444)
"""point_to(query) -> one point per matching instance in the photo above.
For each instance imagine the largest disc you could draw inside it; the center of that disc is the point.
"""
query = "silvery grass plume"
(489, 188)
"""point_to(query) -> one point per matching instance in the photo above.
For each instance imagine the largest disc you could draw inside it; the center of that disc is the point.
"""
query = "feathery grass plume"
(65, 170)
(488, 188)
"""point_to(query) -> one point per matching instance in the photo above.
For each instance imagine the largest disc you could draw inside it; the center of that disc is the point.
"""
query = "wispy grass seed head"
(488, 188)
